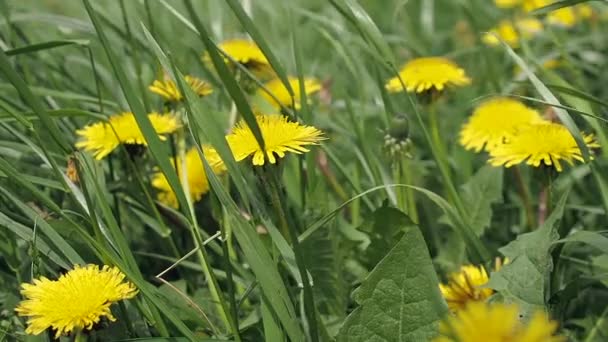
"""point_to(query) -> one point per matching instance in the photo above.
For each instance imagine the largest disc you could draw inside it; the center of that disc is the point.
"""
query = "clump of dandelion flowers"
(277, 95)
(425, 74)
(540, 144)
(466, 286)
(75, 301)
(494, 121)
(280, 136)
(170, 92)
(102, 138)
(481, 322)
(196, 175)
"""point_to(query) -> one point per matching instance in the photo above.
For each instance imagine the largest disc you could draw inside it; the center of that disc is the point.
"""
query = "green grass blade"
(45, 46)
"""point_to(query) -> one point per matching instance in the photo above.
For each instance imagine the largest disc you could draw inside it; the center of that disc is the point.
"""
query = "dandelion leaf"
(524, 280)
(400, 299)
(478, 195)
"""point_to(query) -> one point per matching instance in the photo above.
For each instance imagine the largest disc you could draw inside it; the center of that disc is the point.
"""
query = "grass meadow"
(320, 170)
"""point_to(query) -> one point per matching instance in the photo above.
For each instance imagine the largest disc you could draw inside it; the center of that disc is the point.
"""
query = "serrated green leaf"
(400, 299)
(525, 279)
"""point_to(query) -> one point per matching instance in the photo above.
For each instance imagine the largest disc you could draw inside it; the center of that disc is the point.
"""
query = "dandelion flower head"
(494, 121)
(465, 286)
(169, 90)
(540, 144)
(531, 5)
(196, 176)
(423, 74)
(75, 301)
(280, 136)
(102, 138)
(246, 53)
(280, 96)
(481, 322)
(569, 16)
(511, 33)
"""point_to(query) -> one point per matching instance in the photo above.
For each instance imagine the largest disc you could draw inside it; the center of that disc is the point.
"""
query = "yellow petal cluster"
(481, 322)
(169, 90)
(540, 144)
(75, 301)
(511, 32)
(428, 73)
(277, 95)
(102, 138)
(246, 53)
(196, 176)
(494, 121)
(280, 136)
(507, 3)
(465, 286)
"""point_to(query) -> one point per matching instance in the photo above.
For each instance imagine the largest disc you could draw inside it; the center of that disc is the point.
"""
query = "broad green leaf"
(385, 226)
(400, 299)
(525, 279)
(478, 195)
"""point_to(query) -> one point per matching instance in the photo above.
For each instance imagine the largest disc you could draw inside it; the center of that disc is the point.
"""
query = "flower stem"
(544, 197)
(406, 171)
(440, 148)
(525, 196)
(80, 336)
(272, 177)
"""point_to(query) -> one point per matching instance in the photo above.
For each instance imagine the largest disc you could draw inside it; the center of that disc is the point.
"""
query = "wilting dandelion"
(540, 144)
(102, 138)
(197, 178)
(428, 73)
(280, 136)
(494, 121)
(170, 92)
(75, 301)
(481, 322)
(280, 96)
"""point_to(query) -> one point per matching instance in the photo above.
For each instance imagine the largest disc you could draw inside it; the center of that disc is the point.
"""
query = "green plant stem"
(277, 200)
(406, 171)
(201, 254)
(525, 196)
(544, 197)
(80, 336)
(114, 196)
(439, 146)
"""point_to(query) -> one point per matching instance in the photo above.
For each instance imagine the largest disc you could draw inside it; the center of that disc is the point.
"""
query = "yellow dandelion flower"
(465, 286)
(531, 5)
(280, 96)
(197, 178)
(564, 16)
(538, 144)
(507, 3)
(169, 90)
(494, 121)
(512, 33)
(481, 322)
(584, 11)
(102, 138)
(422, 74)
(246, 53)
(280, 136)
(75, 301)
